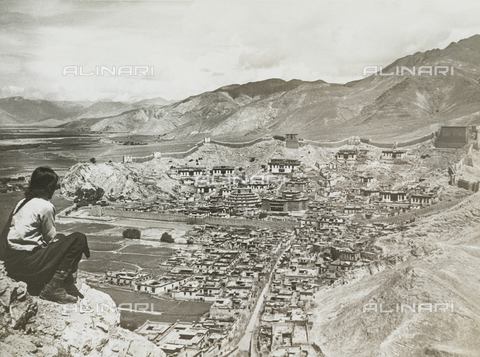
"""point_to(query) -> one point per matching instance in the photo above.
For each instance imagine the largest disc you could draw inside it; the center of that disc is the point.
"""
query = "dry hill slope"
(376, 106)
(26, 111)
(439, 263)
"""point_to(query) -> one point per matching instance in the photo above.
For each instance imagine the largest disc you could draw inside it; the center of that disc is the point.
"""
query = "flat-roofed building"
(153, 329)
(296, 185)
(223, 170)
(345, 254)
(183, 337)
(393, 196)
(290, 201)
(352, 209)
(346, 155)
(393, 154)
(283, 166)
(366, 179)
(190, 171)
(206, 189)
(369, 192)
(455, 136)
(125, 277)
(423, 199)
(160, 285)
(291, 141)
(221, 308)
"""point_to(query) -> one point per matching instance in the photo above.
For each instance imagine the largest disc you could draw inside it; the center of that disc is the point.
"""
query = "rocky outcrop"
(30, 326)
(115, 179)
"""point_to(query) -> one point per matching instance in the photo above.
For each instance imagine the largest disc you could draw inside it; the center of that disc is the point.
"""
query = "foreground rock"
(30, 326)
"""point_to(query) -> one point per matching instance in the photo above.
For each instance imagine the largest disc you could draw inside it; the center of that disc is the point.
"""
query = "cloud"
(205, 44)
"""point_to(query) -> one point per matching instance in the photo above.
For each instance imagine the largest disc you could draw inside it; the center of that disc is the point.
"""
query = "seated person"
(32, 250)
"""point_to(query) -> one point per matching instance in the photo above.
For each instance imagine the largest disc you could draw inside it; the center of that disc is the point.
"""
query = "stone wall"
(172, 217)
(422, 139)
(184, 154)
(393, 145)
(327, 144)
(378, 144)
(240, 144)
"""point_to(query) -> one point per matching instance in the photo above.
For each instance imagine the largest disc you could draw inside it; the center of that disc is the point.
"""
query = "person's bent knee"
(80, 243)
(80, 238)
(79, 235)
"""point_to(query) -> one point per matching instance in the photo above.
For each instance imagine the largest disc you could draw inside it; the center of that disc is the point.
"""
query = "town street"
(245, 342)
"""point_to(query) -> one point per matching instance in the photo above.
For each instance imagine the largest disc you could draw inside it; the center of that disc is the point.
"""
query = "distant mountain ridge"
(27, 111)
(375, 106)
(19, 110)
(262, 88)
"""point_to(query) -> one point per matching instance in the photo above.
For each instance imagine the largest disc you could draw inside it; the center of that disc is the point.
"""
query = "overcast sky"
(200, 45)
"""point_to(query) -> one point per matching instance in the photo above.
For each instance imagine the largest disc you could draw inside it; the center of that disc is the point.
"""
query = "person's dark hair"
(42, 183)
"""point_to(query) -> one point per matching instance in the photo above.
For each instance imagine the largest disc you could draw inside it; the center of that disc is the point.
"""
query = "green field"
(110, 252)
(101, 265)
(103, 246)
(171, 310)
(90, 229)
(146, 249)
(69, 148)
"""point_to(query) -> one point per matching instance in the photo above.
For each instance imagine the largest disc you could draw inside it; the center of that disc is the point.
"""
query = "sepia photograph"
(239, 178)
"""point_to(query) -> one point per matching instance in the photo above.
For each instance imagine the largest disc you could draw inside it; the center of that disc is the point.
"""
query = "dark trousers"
(37, 267)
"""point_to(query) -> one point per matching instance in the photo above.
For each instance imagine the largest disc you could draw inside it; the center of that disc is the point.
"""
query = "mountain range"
(404, 105)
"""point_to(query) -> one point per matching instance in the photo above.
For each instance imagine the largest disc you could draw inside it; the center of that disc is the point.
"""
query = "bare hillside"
(403, 105)
(439, 264)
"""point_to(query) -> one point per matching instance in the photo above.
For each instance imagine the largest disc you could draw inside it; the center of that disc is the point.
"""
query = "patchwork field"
(170, 310)
(110, 251)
